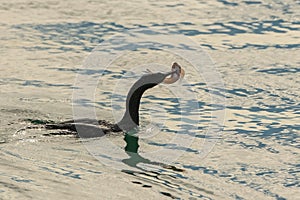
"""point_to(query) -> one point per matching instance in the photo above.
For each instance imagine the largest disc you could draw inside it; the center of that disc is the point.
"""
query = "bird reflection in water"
(131, 149)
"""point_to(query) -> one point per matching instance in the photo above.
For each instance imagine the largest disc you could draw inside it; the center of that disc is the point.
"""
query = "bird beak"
(176, 73)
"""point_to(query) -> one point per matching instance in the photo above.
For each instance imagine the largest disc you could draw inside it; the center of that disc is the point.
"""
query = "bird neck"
(130, 119)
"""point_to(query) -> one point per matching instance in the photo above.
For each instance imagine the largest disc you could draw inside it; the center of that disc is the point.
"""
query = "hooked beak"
(176, 73)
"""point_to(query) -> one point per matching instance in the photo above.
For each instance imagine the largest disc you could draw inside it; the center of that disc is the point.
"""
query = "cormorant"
(87, 128)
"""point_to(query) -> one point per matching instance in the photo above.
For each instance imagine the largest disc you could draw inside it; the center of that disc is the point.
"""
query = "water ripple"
(83, 36)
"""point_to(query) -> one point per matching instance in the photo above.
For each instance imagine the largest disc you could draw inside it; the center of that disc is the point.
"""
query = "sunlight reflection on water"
(257, 57)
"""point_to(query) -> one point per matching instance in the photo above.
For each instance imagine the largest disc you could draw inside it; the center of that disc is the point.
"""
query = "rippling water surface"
(255, 49)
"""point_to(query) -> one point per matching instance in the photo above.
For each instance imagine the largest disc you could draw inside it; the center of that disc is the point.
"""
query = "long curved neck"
(130, 119)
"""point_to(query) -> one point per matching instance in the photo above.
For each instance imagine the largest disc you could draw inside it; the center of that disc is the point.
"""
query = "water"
(255, 48)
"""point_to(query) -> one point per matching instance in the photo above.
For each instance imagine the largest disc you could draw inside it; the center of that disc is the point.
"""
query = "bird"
(88, 128)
